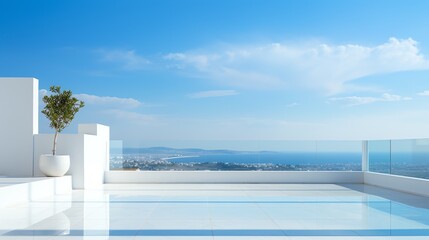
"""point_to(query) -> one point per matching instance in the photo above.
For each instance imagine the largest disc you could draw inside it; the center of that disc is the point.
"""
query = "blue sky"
(169, 72)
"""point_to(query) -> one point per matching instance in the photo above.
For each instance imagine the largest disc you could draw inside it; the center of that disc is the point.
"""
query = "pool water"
(221, 211)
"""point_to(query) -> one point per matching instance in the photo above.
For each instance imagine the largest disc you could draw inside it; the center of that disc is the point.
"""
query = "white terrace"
(92, 202)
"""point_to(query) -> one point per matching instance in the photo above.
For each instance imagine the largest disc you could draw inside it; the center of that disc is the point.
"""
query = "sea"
(413, 164)
(277, 158)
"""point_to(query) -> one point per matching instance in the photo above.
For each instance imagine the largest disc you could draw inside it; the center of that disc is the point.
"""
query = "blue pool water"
(214, 211)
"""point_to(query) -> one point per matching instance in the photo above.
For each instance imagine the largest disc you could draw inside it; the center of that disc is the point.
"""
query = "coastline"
(170, 158)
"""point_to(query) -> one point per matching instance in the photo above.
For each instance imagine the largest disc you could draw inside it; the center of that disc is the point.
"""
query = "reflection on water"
(247, 210)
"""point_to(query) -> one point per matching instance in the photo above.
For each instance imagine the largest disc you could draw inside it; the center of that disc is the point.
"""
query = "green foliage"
(61, 108)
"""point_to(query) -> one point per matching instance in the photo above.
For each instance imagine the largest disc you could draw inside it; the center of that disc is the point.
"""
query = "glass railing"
(379, 156)
(400, 157)
(240, 156)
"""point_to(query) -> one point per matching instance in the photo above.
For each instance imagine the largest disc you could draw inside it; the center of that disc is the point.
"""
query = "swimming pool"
(221, 211)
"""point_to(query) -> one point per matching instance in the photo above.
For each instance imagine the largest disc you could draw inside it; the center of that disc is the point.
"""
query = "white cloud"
(329, 68)
(109, 101)
(356, 100)
(128, 59)
(213, 93)
(121, 114)
(424, 93)
(385, 124)
(294, 104)
(130, 116)
(43, 92)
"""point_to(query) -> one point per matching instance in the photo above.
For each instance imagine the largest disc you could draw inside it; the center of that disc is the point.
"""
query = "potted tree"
(60, 109)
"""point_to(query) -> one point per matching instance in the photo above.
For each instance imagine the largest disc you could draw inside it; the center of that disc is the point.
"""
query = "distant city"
(169, 159)
(192, 159)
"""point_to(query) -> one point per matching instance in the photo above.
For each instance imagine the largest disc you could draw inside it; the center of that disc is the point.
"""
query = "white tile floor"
(221, 211)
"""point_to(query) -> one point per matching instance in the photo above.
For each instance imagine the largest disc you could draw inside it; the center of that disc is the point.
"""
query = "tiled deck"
(221, 211)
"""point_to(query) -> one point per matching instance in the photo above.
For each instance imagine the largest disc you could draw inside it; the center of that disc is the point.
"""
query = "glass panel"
(339, 155)
(243, 155)
(379, 156)
(116, 155)
(411, 158)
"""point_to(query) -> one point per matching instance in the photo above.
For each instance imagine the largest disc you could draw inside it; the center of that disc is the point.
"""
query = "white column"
(19, 106)
(103, 132)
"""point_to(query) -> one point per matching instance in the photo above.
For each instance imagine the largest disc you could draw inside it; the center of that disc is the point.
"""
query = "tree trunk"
(54, 149)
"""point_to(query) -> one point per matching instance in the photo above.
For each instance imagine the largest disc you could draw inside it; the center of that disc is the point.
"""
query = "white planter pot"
(54, 165)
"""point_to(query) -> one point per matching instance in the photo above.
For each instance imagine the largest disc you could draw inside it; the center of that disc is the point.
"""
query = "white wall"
(102, 132)
(232, 177)
(416, 186)
(94, 161)
(19, 106)
(22, 190)
(87, 155)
